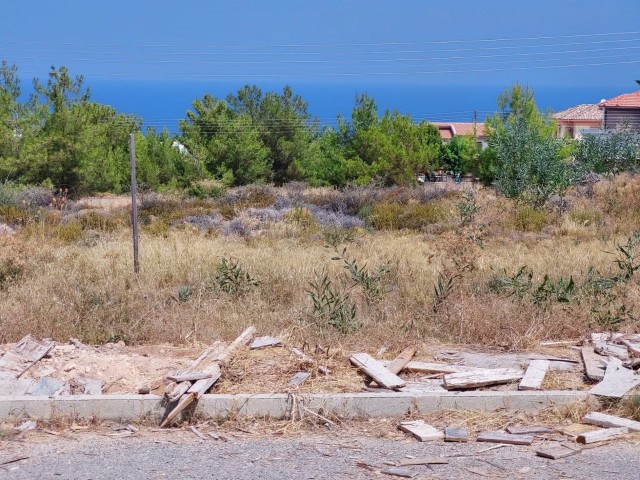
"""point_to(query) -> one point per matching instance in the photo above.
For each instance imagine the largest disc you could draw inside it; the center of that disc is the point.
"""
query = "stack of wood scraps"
(610, 361)
(194, 383)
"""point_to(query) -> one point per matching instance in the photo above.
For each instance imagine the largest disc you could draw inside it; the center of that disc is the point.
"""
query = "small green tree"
(530, 166)
(611, 152)
(459, 155)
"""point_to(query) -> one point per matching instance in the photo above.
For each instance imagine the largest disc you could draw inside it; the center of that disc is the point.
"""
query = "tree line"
(59, 137)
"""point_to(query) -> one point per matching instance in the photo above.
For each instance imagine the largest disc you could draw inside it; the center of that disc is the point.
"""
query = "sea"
(161, 104)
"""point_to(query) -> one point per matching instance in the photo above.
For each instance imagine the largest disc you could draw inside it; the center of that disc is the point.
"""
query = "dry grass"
(84, 287)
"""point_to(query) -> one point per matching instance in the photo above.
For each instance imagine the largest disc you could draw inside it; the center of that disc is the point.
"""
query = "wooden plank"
(456, 434)
(601, 435)
(177, 391)
(610, 350)
(213, 349)
(421, 430)
(560, 343)
(633, 347)
(605, 420)
(26, 353)
(398, 363)
(594, 365)
(263, 342)
(532, 429)
(401, 361)
(534, 375)
(617, 381)
(184, 402)
(426, 385)
(600, 337)
(298, 378)
(398, 472)
(377, 371)
(557, 451)
(407, 462)
(200, 387)
(187, 376)
(456, 381)
(500, 437)
(428, 367)
(242, 339)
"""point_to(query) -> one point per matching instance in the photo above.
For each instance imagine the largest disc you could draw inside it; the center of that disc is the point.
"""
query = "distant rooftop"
(451, 129)
(588, 112)
(626, 100)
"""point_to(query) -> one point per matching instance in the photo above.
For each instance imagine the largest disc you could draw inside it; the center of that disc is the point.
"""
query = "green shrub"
(529, 219)
(330, 305)
(207, 189)
(394, 216)
(230, 277)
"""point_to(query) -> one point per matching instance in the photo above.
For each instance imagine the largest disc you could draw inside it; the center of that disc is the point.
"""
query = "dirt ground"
(126, 369)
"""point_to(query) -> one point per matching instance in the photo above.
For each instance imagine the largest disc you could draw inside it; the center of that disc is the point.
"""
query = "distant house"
(574, 121)
(621, 111)
(455, 129)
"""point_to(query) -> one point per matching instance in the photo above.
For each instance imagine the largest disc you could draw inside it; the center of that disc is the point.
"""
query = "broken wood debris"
(601, 435)
(532, 430)
(593, 364)
(377, 371)
(534, 375)
(428, 367)
(458, 381)
(398, 472)
(557, 451)
(617, 380)
(298, 379)
(187, 376)
(200, 387)
(407, 462)
(611, 350)
(263, 342)
(606, 420)
(398, 363)
(508, 438)
(456, 434)
(421, 430)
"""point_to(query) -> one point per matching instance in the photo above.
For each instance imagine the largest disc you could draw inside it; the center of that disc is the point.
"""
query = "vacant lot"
(363, 266)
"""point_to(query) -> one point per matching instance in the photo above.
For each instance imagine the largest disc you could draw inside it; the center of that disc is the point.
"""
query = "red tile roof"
(586, 112)
(626, 100)
(459, 128)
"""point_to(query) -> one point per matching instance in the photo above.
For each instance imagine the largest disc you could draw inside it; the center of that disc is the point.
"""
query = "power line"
(326, 53)
(324, 45)
(337, 61)
(349, 74)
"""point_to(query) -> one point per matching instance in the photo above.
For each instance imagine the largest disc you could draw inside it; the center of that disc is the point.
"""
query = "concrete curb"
(282, 406)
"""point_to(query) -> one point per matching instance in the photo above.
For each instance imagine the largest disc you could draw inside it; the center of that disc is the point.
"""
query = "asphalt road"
(180, 455)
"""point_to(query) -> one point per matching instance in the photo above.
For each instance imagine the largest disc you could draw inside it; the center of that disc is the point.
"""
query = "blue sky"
(397, 48)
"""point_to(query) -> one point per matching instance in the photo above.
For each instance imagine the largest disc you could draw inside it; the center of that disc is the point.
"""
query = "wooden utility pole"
(134, 201)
